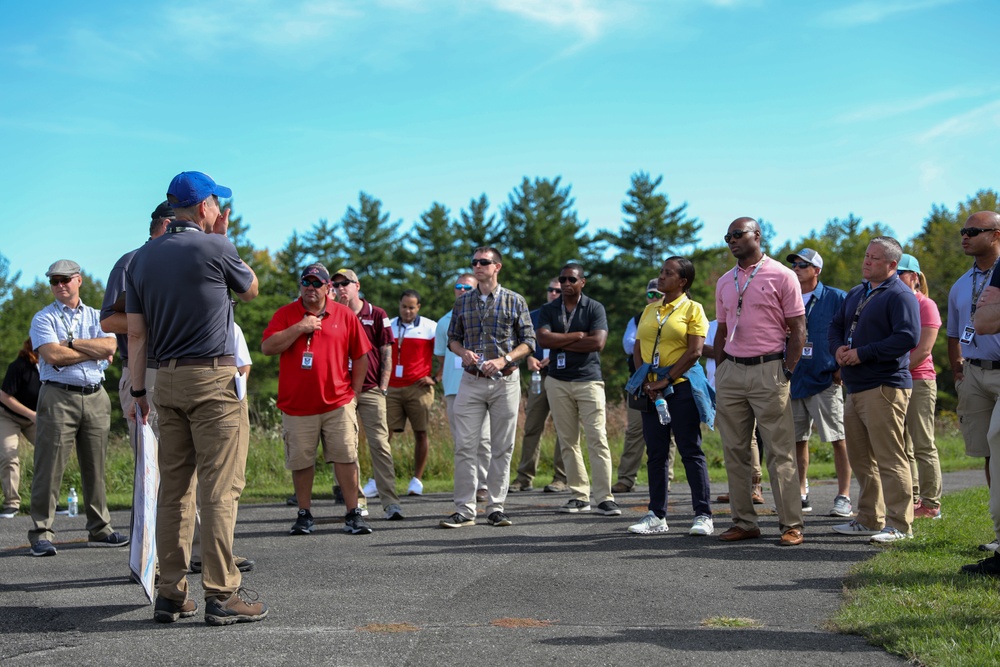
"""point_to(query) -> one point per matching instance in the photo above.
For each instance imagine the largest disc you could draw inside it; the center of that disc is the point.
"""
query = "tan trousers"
(483, 454)
(371, 412)
(925, 467)
(204, 437)
(11, 428)
(757, 394)
(873, 423)
(576, 404)
(536, 411)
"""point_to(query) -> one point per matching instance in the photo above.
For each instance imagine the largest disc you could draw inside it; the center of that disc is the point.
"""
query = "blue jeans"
(685, 425)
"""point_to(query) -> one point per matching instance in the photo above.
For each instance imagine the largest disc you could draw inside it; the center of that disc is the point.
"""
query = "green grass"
(912, 599)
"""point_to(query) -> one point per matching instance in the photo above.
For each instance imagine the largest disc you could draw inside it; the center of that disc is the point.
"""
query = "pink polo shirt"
(930, 318)
(774, 294)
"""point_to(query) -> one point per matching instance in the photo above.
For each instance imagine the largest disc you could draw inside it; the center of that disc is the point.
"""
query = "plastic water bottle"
(536, 382)
(662, 411)
(102, 365)
(479, 365)
(73, 502)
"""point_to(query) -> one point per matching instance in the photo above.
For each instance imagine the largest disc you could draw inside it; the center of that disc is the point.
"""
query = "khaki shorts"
(336, 429)
(413, 403)
(825, 410)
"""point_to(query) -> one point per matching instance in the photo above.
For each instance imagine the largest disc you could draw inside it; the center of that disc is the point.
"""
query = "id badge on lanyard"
(807, 350)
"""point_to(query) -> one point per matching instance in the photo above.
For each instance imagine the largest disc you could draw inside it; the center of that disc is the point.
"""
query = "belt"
(210, 362)
(479, 374)
(149, 363)
(985, 364)
(754, 361)
(88, 389)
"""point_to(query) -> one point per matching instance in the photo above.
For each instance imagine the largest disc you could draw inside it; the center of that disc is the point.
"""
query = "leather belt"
(754, 361)
(88, 389)
(986, 364)
(210, 362)
(479, 374)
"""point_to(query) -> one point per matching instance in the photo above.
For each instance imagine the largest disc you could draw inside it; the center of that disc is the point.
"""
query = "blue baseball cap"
(908, 263)
(194, 187)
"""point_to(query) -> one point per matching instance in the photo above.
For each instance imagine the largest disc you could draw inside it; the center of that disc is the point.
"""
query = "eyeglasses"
(653, 295)
(738, 234)
(60, 280)
(568, 279)
(311, 282)
(341, 283)
(974, 231)
(463, 287)
(554, 290)
(799, 265)
(482, 262)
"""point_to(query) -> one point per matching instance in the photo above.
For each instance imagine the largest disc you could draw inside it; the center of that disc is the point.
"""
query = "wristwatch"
(137, 393)
(788, 373)
(507, 358)
(384, 392)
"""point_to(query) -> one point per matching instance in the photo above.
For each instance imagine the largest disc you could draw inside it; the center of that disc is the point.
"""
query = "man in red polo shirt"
(315, 337)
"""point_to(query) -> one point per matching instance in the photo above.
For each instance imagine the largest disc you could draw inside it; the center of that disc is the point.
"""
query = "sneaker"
(370, 489)
(394, 513)
(482, 496)
(609, 508)
(992, 546)
(621, 487)
(557, 486)
(650, 525)
(355, 524)
(574, 506)
(363, 505)
(519, 485)
(806, 505)
(240, 607)
(842, 507)
(292, 501)
(456, 520)
(852, 527)
(922, 511)
(168, 611)
(702, 526)
(416, 487)
(62, 510)
(8, 513)
(890, 534)
(304, 524)
(498, 519)
(338, 495)
(987, 567)
(43, 548)
(115, 539)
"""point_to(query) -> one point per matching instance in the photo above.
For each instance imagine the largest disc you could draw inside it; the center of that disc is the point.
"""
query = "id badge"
(350, 365)
(967, 335)
(561, 360)
(656, 360)
(399, 370)
(307, 361)
(807, 351)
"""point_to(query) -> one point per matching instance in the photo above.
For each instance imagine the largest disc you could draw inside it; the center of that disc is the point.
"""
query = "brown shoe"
(621, 487)
(482, 495)
(240, 607)
(557, 486)
(519, 485)
(722, 498)
(735, 534)
(790, 538)
(168, 611)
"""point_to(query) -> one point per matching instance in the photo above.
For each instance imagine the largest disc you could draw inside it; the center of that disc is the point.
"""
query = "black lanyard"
(861, 306)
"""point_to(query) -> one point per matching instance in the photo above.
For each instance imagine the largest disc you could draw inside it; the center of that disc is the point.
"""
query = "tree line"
(538, 230)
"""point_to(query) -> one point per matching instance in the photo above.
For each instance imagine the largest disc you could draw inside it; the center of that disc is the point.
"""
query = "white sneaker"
(363, 505)
(852, 527)
(8, 513)
(890, 534)
(416, 487)
(650, 525)
(703, 525)
(370, 490)
(992, 546)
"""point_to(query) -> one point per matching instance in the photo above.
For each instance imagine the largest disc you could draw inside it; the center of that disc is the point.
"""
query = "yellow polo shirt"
(680, 318)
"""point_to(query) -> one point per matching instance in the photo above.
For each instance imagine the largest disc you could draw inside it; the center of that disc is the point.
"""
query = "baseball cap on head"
(347, 273)
(193, 187)
(807, 255)
(317, 270)
(64, 267)
(908, 263)
(651, 286)
(164, 210)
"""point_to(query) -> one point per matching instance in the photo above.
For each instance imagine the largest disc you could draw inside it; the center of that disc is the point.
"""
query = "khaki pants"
(68, 419)
(204, 437)
(11, 428)
(925, 467)
(536, 411)
(371, 412)
(483, 457)
(874, 422)
(757, 394)
(576, 404)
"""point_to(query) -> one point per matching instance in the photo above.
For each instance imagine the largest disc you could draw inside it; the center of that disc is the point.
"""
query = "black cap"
(164, 210)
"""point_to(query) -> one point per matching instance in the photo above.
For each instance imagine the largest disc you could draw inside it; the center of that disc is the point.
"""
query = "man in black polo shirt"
(177, 303)
(575, 328)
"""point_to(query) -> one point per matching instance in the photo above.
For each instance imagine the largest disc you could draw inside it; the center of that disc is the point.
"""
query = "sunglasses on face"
(799, 265)
(738, 234)
(554, 290)
(310, 282)
(653, 295)
(60, 280)
(568, 279)
(973, 231)
(341, 283)
(463, 287)
(482, 262)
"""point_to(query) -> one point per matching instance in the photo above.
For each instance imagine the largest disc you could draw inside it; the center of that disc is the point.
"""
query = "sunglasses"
(482, 262)
(341, 283)
(554, 290)
(463, 287)
(310, 282)
(799, 265)
(568, 279)
(60, 280)
(738, 234)
(973, 231)
(654, 295)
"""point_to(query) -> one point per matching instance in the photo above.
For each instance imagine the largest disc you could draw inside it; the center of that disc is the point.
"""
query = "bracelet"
(137, 394)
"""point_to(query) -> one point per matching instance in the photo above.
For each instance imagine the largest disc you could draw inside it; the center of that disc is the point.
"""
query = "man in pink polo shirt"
(758, 304)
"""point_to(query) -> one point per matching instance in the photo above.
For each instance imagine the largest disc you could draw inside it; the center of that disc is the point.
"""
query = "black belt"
(754, 361)
(198, 361)
(89, 389)
(986, 364)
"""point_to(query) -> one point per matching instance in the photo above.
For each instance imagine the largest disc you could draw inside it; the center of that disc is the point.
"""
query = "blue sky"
(793, 111)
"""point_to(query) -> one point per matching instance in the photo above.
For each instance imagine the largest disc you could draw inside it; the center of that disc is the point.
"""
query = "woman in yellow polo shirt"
(669, 339)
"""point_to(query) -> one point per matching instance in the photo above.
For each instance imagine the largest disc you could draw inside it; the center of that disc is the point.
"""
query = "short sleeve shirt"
(54, 324)
(114, 291)
(22, 382)
(675, 321)
(929, 318)
(413, 350)
(772, 296)
(588, 316)
(375, 322)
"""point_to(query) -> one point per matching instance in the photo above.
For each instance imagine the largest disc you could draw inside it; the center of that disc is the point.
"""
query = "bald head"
(984, 220)
(745, 223)
(743, 239)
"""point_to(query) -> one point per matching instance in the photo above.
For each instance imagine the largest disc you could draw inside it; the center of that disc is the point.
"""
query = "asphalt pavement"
(552, 588)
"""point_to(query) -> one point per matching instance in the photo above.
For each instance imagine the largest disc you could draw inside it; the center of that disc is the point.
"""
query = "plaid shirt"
(494, 327)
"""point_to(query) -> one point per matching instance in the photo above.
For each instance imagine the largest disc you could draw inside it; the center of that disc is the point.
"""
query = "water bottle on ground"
(661, 410)
(536, 382)
(73, 502)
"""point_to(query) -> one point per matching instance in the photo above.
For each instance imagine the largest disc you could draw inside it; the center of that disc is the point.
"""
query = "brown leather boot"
(758, 493)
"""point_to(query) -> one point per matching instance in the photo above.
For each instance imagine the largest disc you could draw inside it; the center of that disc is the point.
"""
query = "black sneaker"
(456, 520)
(338, 495)
(303, 524)
(113, 540)
(987, 567)
(240, 607)
(43, 548)
(62, 510)
(498, 519)
(292, 501)
(609, 508)
(355, 524)
(806, 505)
(168, 611)
(573, 506)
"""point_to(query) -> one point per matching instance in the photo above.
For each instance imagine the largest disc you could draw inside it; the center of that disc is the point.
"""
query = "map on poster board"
(142, 549)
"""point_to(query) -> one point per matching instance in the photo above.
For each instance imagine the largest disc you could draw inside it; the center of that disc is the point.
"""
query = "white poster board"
(142, 549)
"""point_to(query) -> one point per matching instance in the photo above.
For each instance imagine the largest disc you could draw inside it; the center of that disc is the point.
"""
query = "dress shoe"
(790, 538)
(722, 498)
(735, 534)
(621, 487)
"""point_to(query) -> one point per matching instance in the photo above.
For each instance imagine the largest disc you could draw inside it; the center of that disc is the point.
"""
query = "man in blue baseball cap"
(193, 187)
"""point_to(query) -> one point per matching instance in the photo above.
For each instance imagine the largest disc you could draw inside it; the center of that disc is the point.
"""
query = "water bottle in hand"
(536, 382)
(73, 502)
(662, 411)
(479, 365)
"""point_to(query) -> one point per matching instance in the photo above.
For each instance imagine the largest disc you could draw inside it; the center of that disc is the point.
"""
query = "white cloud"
(883, 110)
(874, 11)
(984, 119)
(581, 16)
